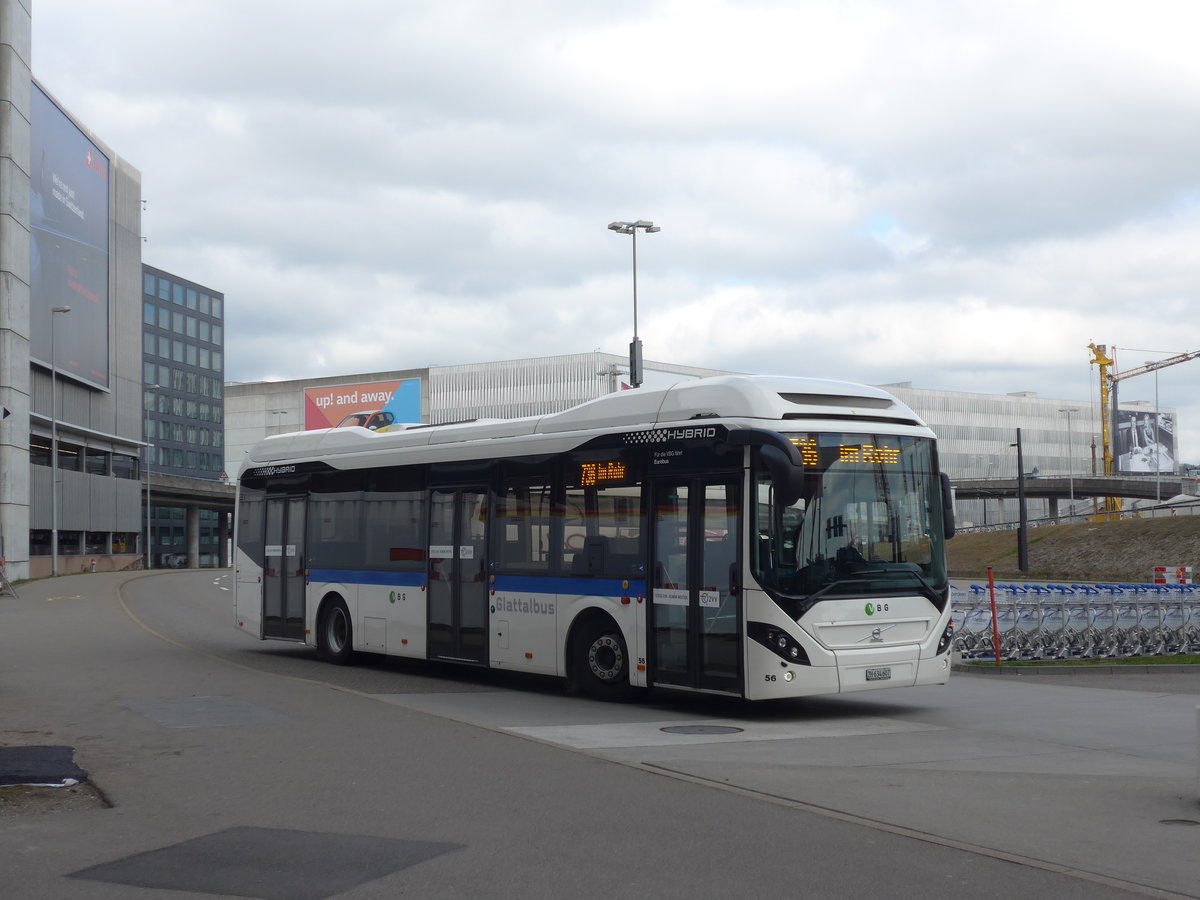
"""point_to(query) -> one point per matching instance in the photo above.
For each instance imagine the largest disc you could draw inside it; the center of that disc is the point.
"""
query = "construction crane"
(1108, 395)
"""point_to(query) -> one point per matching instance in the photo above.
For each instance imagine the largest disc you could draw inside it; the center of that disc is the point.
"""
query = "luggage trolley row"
(1078, 621)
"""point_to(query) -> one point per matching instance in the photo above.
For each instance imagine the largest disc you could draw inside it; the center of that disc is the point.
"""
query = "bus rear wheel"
(602, 661)
(335, 634)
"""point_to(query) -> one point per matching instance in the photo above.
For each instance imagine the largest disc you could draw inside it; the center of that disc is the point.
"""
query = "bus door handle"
(733, 585)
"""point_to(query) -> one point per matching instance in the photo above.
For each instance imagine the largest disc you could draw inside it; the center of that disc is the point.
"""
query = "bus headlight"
(947, 637)
(778, 642)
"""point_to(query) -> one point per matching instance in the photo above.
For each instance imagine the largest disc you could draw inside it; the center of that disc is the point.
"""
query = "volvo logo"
(876, 635)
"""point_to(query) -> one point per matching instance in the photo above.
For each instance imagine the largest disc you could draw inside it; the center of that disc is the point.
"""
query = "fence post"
(995, 626)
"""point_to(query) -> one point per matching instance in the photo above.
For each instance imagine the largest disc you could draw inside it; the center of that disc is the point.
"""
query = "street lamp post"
(635, 346)
(149, 396)
(54, 314)
(1070, 454)
(1022, 512)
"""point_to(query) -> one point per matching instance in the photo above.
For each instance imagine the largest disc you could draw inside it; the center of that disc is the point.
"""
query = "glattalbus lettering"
(529, 605)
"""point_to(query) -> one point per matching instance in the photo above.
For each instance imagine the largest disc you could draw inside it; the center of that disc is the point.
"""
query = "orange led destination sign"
(591, 474)
(850, 453)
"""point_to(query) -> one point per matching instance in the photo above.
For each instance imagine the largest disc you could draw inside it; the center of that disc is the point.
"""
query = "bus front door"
(283, 569)
(458, 588)
(695, 604)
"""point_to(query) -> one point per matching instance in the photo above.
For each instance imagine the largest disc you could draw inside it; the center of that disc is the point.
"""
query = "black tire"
(335, 633)
(601, 661)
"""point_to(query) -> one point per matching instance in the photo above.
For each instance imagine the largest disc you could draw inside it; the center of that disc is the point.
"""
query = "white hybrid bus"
(755, 537)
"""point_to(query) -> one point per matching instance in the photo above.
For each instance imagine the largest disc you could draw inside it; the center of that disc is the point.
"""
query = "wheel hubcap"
(605, 659)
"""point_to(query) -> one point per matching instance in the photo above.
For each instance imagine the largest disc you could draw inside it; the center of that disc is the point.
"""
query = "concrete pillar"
(192, 533)
(223, 539)
(1054, 507)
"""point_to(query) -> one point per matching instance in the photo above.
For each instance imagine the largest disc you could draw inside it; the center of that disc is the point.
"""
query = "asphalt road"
(238, 768)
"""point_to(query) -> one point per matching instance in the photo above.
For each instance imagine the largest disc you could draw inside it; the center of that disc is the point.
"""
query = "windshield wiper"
(927, 590)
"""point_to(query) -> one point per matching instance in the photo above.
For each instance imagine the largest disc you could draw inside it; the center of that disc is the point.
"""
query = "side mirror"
(788, 479)
(947, 507)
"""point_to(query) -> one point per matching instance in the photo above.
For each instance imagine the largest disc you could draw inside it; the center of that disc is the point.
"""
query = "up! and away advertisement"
(375, 405)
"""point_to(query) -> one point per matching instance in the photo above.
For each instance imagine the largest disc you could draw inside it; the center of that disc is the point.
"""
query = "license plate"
(883, 673)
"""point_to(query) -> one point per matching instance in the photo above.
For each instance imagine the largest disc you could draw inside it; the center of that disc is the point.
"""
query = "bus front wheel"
(602, 661)
(335, 635)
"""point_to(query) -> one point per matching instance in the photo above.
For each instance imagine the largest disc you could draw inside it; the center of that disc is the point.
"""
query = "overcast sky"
(958, 195)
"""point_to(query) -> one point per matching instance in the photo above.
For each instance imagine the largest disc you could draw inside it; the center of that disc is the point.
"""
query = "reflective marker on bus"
(749, 536)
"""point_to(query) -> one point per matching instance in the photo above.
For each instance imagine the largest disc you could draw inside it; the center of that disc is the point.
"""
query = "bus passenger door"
(458, 587)
(283, 569)
(695, 605)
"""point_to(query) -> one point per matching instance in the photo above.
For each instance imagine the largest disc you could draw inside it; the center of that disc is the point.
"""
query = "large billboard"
(1144, 445)
(69, 214)
(375, 405)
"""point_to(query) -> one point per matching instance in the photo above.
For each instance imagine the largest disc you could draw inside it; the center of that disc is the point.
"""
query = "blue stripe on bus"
(592, 587)
(361, 576)
(520, 584)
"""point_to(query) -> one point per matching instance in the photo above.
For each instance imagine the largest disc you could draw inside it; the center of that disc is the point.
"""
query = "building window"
(124, 466)
(205, 362)
(204, 304)
(124, 542)
(164, 318)
(147, 342)
(70, 457)
(164, 347)
(147, 283)
(95, 462)
(216, 335)
(148, 372)
(70, 543)
(178, 291)
(147, 312)
(177, 351)
(177, 320)
(216, 307)
(96, 543)
(191, 354)
(39, 450)
(39, 542)
(164, 289)
(191, 299)
(205, 330)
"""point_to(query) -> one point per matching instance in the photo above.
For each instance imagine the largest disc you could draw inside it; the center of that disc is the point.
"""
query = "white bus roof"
(767, 399)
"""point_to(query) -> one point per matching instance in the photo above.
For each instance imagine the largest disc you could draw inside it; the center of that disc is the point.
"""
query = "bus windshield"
(867, 522)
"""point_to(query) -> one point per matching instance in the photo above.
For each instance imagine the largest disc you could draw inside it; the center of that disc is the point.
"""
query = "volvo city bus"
(749, 536)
